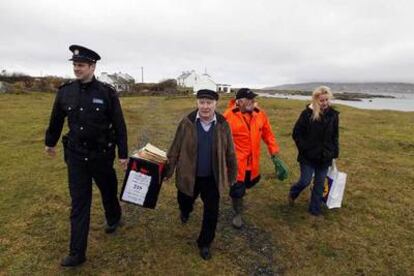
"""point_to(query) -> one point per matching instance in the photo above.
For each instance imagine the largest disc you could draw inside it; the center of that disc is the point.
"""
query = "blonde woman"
(316, 137)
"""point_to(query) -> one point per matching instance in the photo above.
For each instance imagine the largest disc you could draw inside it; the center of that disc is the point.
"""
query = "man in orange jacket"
(249, 125)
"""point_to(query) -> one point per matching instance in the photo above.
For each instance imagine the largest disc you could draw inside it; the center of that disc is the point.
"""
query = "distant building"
(3, 87)
(197, 82)
(121, 81)
(204, 81)
(225, 88)
(187, 79)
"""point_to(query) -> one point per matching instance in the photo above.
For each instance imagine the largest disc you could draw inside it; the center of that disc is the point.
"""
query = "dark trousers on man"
(238, 189)
(208, 191)
(81, 171)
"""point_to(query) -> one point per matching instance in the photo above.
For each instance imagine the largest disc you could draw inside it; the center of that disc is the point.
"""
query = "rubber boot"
(237, 221)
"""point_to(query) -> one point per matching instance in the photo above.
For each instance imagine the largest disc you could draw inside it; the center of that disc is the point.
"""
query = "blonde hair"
(321, 90)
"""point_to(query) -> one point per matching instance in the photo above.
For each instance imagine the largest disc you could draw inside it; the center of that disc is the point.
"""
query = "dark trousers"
(80, 173)
(208, 191)
(238, 189)
(306, 173)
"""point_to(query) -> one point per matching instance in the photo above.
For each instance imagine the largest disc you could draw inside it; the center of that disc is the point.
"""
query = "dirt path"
(251, 246)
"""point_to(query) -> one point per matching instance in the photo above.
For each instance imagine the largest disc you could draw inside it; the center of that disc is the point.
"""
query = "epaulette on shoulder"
(66, 83)
(107, 85)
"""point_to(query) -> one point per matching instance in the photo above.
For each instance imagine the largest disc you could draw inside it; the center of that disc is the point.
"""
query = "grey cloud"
(255, 43)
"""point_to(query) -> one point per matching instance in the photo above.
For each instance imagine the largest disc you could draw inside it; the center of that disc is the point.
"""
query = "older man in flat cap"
(203, 152)
(96, 126)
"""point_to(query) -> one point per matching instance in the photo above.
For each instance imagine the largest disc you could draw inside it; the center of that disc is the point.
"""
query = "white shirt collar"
(212, 120)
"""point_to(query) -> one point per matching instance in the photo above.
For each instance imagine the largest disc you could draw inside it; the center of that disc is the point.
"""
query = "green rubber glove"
(281, 169)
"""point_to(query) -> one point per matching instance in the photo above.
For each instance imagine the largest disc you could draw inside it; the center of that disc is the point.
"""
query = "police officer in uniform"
(96, 126)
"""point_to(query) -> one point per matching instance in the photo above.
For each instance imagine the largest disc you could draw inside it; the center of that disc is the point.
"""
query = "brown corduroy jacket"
(182, 155)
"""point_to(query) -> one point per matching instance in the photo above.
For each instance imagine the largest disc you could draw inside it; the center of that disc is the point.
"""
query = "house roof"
(185, 74)
(118, 78)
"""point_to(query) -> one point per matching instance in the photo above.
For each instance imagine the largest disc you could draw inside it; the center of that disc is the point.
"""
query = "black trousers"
(238, 189)
(208, 191)
(81, 171)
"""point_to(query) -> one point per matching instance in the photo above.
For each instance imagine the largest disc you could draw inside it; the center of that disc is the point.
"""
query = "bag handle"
(334, 165)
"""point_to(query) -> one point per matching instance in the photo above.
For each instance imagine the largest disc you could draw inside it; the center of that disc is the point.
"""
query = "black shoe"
(112, 228)
(205, 252)
(184, 218)
(72, 260)
(315, 214)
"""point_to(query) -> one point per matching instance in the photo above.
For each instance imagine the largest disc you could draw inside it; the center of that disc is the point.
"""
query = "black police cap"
(84, 54)
(207, 94)
(245, 93)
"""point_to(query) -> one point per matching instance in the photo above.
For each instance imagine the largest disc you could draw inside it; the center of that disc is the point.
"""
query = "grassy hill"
(372, 234)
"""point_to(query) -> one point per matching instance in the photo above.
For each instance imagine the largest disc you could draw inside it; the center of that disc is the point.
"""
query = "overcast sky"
(244, 43)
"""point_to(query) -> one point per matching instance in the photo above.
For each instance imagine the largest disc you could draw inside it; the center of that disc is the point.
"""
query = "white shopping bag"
(334, 187)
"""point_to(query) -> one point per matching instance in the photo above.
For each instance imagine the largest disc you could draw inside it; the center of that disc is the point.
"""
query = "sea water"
(401, 102)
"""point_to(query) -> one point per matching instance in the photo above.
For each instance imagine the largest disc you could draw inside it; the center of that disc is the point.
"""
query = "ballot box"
(143, 179)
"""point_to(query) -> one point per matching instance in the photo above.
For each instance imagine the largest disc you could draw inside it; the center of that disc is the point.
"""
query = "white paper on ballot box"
(136, 188)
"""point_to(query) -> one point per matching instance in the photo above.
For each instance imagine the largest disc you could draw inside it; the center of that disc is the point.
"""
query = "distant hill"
(363, 87)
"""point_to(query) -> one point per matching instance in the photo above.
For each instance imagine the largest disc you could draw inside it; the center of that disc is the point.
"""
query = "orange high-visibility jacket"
(247, 137)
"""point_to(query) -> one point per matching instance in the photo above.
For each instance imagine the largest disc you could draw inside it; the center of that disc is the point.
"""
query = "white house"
(121, 81)
(187, 79)
(204, 81)
(3, 87)
(225, 88)
(197, 82)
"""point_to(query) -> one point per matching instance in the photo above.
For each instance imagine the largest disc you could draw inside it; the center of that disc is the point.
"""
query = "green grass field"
(373, 234)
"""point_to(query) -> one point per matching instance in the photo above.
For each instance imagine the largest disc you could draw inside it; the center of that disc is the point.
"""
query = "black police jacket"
(95, 118)
(317, 141)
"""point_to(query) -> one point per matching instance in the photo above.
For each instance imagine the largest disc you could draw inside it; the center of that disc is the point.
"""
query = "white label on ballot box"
(136, 188)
